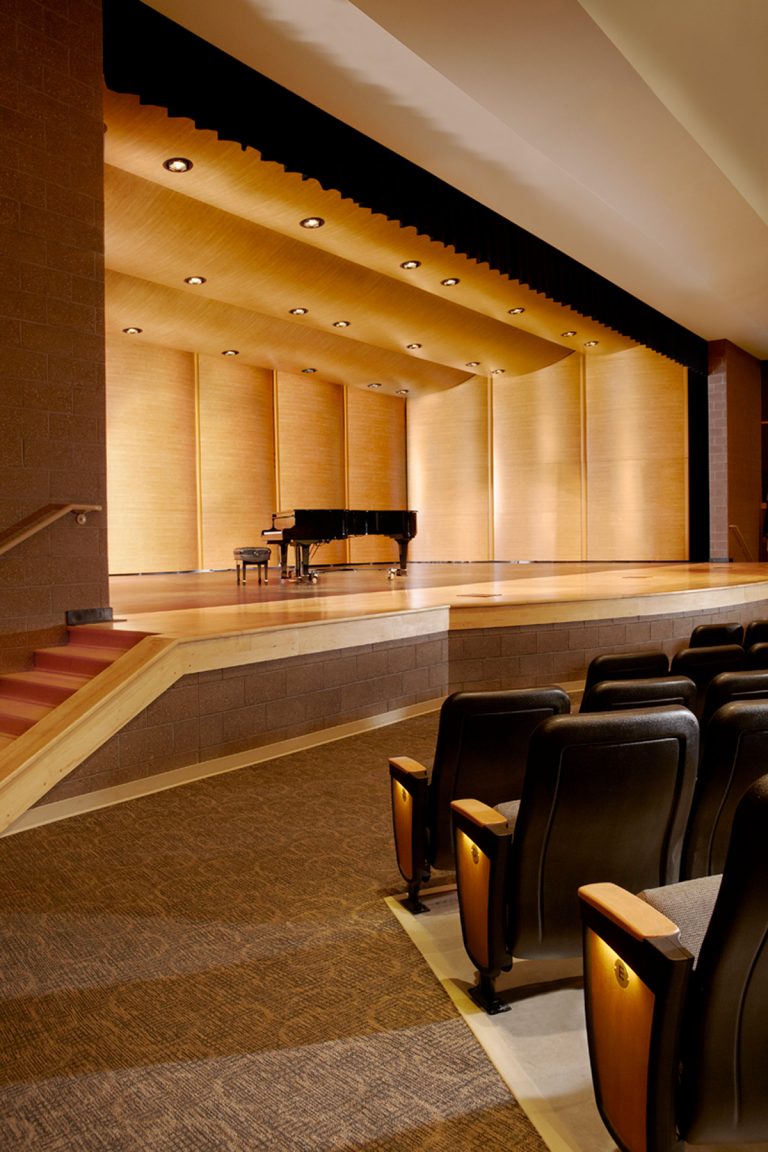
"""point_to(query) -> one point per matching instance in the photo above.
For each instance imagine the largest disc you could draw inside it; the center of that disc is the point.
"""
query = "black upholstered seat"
(756, 632)
(604, 794)
(653, 691)
(734, 753)
(625, 666)
(709, 635)
(481, 750)
(702, 665)
(750, 684)
(677, 1020)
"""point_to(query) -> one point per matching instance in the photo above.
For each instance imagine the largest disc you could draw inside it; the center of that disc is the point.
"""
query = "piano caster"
(395, 572)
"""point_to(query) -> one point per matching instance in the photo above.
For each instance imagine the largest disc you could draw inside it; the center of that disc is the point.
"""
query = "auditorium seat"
(653, 691)
(676, 1000)
(481, 750)
(708, 635)
(605, 794)
(625, 666)
(734, 753)
(756, 632)
(702, 665)
(749, 684)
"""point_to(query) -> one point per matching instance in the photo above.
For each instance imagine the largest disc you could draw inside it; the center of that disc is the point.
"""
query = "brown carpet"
(214, 968)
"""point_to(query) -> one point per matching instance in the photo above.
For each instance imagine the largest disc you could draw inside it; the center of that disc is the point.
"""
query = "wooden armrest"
(481, 814)
(408, 766)
(629, 912)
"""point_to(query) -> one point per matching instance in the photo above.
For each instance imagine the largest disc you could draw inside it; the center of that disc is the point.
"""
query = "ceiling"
(624, 134)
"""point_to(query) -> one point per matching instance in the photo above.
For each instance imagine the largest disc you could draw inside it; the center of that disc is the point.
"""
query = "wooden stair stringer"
(61, 740)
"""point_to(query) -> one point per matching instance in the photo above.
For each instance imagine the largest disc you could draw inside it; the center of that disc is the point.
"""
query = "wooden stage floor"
(477, 594)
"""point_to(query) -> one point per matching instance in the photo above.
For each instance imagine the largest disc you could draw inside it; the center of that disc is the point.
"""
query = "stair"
(58, 672)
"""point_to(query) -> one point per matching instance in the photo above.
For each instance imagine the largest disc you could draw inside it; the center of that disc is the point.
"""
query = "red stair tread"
(90, 636)
(45, 687)
(16, 716)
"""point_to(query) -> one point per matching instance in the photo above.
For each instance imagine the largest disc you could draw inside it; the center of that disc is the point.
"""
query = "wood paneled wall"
(151, 459)
(637, 457)
(449, 473)
(237, 457)
(584, 460)
(537, 464)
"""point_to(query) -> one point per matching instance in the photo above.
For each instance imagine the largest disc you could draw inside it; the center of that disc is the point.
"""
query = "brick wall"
(52, 441)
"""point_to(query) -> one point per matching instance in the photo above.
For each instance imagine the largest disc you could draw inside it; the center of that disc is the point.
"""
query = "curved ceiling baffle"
(264, 159)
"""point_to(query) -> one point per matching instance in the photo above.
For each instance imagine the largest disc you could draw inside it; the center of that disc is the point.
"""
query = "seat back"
(723, 1097)
(702, 665)
(734, 754)
(709, 635)
(751, 684)
(611, 695)
(606, 796)
(625, 666)
(481, 751)
(756, 632)
(757, 655)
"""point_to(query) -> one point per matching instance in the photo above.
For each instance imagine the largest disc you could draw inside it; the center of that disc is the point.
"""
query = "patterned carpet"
(215, 968)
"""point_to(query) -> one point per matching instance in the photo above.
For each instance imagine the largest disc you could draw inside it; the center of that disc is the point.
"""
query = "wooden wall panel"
(151, 458)
(237, 458)
(310, 450)
(637, 457)
(448, 473)
(537, 464)
(376, 473)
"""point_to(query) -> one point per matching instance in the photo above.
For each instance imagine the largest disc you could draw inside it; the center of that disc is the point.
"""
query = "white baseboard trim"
(105, 797)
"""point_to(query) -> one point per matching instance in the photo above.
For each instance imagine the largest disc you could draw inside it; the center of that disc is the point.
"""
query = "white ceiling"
(630, 134)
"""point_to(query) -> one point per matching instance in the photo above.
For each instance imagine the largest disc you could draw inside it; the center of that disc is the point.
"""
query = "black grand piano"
(305, 528)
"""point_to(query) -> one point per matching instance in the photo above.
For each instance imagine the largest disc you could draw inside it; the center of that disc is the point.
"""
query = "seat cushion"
(688, 904)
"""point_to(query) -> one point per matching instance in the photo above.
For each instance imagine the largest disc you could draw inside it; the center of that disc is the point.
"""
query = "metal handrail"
(40, 519)
(734, 528)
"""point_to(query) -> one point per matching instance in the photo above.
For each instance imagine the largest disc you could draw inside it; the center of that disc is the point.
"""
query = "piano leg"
(402, 546)
(283, 559)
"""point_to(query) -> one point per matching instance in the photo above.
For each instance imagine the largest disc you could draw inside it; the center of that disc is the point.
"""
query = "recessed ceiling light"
(299, 311)
(570, 332)
(309, 371)
(413, 347)
(195, 280)
(312, 222)
(516, 311)
(473, 364)
(178, 164)
(591, 343)
(341, 323)
(409, 264)
(401, 392)
(132, 331)
(374, 385)
(230, 352)
(498, 371)
(450, 281)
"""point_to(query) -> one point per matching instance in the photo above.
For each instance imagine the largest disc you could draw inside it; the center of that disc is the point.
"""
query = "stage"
(477, 595)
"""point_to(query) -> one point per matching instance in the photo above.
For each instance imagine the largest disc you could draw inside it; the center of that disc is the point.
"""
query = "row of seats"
(621, 798)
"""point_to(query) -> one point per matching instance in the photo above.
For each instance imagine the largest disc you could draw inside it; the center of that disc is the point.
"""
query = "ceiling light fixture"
(309, 371)
(516, 311)
(409, 264)
(194, 280)
(312, 222)
(498, 371)
(299, 311)
(341, 323)
(450, 281)
(473, 364)
(374, 385)
(132, 331)
(591, 343)
(401, 392)
(177, 164)
(230, 352)
(570, 332)
(413, 347)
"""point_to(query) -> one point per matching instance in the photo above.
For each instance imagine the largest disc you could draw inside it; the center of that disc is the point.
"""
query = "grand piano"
(305, 528)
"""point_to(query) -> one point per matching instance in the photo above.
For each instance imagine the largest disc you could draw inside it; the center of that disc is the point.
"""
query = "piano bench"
(257, 556)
